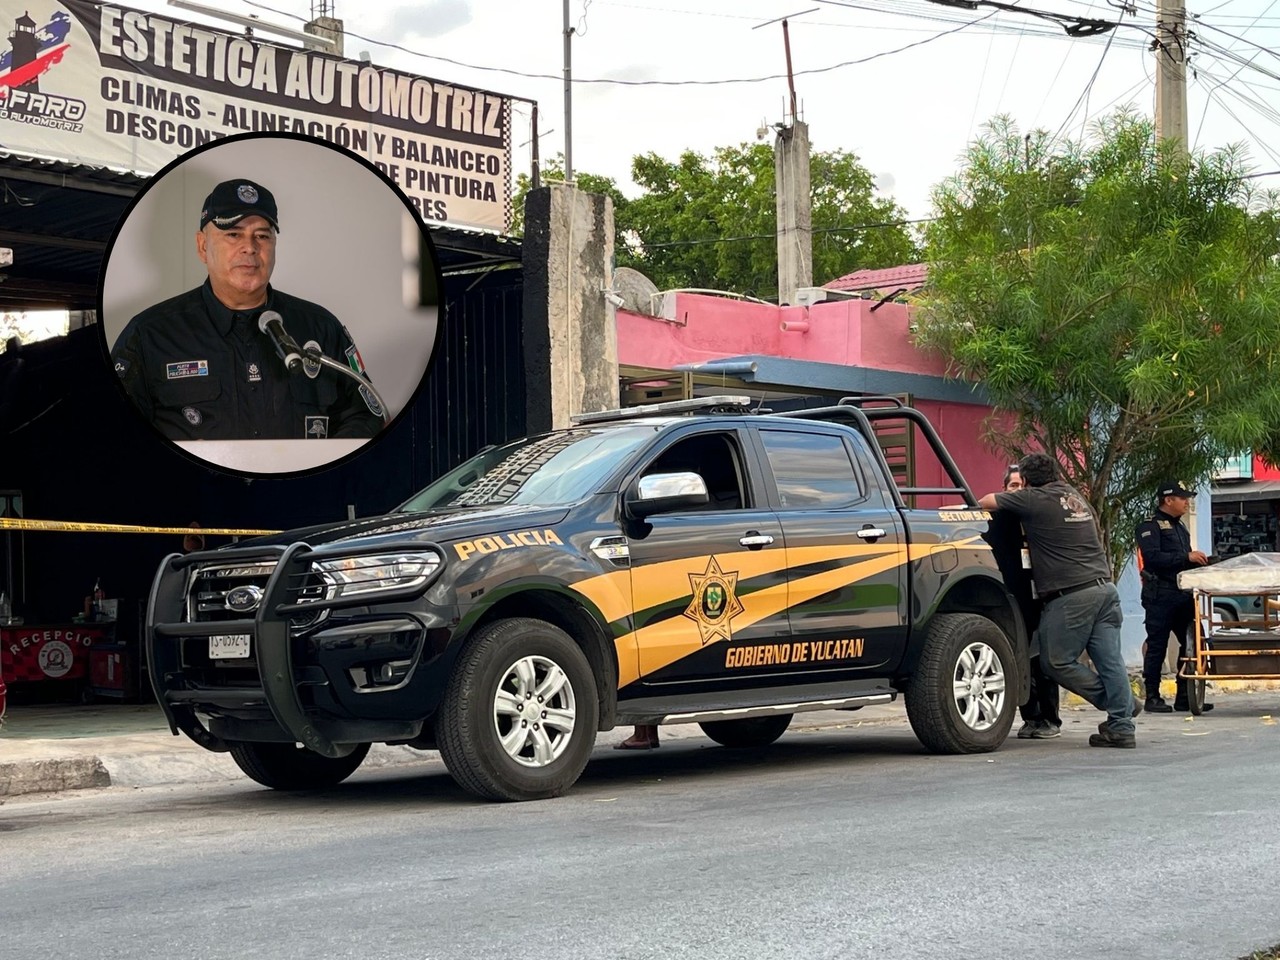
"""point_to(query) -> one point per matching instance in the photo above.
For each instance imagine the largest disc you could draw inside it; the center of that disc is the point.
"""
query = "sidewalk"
(55, 747)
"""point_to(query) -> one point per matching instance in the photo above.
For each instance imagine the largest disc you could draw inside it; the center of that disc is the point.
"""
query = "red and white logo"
(35, 50)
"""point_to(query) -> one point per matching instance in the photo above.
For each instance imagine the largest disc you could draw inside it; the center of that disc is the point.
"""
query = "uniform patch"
(1145, 533)
(255, 374)
(354, 359)
(1164, 524)
(122, 368)
(357, 364)
(246, 193)
(194, 416)
(371, 401)
(311, 367)
(714, 603)
(316, 428)
(186, 368)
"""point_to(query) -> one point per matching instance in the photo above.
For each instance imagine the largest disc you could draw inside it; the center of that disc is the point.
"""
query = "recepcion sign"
(111, 86)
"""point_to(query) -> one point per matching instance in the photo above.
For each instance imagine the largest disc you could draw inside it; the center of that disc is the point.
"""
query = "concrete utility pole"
(326, 26)
(568, 97)
(795, 224)
(794, 201)
(1171, 71)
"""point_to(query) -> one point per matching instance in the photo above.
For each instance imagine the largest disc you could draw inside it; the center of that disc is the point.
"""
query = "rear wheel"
(959, 699)
(1195, 696)
(287, 766)
(750, 732)
(519, 715)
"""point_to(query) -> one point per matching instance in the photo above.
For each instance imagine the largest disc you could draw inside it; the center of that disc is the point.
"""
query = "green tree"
(554, 170)
(710, 222)
(1119, 301)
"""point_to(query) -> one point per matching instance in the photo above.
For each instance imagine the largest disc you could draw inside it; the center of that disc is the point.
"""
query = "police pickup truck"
(687, 562)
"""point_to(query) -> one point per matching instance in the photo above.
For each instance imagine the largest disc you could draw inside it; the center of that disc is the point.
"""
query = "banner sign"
(111, 86)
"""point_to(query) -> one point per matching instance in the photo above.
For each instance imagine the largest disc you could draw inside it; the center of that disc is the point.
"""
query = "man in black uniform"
(1165, 545)
(1081, 611)
(198, 366)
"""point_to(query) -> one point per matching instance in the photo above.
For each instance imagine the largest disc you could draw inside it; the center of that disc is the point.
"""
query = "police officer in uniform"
(1165, 545)
(198, 366)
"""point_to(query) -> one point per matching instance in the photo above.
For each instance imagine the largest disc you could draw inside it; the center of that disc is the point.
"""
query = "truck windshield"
(549, 470)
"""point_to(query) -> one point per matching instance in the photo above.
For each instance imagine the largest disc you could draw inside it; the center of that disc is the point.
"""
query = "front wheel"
(519, 715)
(959, 699)
(287, 766)
(750, 732)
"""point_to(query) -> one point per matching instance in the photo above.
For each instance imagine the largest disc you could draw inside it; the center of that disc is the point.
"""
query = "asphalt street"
(841, 843)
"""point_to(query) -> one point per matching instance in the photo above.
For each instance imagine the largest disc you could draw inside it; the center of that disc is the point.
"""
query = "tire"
(1226, 614)
(497, 678)
(1195, 697)
(287, 766)
(750, 732)
(959, 700)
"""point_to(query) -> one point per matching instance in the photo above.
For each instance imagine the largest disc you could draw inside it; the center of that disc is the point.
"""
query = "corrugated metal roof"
(57, 217)
(911, 276)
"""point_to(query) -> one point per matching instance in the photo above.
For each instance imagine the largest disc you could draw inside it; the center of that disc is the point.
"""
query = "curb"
(157, 762)
(49, 776)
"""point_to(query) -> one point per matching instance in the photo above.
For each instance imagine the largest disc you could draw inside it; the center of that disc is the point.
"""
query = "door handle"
(869, 532)
(755, 540)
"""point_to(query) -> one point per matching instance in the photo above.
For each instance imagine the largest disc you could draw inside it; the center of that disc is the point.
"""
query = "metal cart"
(1244, 649)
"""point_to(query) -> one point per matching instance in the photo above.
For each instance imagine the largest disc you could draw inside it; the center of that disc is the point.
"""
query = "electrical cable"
(610, 81)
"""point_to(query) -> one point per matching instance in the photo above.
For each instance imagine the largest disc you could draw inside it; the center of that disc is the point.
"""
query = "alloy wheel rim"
(534, 711)
(979, 687)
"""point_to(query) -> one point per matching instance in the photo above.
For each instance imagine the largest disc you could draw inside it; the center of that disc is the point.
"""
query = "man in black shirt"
(1165, 546)
(1081, 610)
(197, 365)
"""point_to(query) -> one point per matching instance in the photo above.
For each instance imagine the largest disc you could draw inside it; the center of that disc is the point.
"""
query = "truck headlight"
(355, 576)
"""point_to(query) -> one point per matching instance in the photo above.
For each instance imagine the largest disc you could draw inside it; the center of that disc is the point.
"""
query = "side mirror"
(665, 493)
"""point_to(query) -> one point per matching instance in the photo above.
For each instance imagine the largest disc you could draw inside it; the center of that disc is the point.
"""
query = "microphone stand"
(316, 356)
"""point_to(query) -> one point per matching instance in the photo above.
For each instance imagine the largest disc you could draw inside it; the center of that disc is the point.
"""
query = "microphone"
(272, 324)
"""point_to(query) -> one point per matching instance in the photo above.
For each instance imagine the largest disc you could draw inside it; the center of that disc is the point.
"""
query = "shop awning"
(1249, 490)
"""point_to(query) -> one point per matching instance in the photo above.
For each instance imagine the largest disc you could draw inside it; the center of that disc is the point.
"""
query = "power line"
(645, 83)
(1084, 94)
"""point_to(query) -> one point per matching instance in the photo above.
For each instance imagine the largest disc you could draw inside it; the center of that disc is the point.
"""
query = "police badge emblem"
(311, 367)
(246, 193)
(194, 417)
(316, 428)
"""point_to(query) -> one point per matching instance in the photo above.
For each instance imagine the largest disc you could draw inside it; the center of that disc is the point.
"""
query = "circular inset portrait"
(262, 303)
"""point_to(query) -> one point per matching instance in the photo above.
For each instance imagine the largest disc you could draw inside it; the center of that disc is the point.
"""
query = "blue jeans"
(1088, 621)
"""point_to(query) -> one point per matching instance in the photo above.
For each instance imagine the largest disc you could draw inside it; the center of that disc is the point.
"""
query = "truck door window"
(714, 456)
(811, 470)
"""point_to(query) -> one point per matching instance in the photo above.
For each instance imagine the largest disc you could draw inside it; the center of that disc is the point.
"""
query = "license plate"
(232, 646)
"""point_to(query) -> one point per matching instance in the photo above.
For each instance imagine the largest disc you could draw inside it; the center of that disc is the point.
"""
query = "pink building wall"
(699, 328)
(704, 328)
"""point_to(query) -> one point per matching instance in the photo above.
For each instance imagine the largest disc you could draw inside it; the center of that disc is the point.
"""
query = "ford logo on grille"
(244, 599)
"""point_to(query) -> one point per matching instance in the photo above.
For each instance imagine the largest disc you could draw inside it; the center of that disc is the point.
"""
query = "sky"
(908, 115)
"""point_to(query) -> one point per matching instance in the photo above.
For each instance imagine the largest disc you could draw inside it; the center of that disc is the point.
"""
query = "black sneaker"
(1157, 705)
(1045, 731)
(1182, 707)
(1109, 738)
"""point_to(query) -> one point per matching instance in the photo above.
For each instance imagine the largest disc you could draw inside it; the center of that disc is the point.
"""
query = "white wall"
(341, 245)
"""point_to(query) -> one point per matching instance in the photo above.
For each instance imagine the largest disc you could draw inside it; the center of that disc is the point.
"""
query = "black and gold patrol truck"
(686, 562)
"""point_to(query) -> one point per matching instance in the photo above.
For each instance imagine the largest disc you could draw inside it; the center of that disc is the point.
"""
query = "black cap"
(233, 200)
(1174, 489)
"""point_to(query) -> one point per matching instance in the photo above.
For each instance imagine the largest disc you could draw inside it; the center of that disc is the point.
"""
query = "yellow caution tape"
(71, 526)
